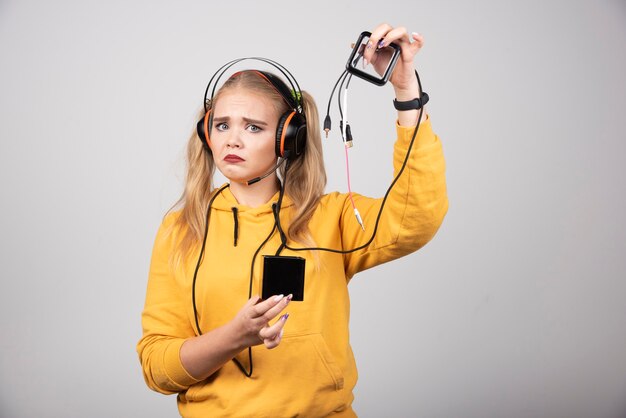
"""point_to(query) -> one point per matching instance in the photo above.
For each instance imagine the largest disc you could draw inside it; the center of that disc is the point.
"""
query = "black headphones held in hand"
(291, 130)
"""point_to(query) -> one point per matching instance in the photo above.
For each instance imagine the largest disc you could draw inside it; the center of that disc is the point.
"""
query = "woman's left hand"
(403, 77)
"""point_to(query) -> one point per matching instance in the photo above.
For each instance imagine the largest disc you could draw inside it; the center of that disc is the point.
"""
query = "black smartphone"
(283, 275)
(379, 70)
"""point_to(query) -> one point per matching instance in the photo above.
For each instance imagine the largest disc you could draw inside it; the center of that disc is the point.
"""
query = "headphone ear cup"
(291, 135)
(203, 131)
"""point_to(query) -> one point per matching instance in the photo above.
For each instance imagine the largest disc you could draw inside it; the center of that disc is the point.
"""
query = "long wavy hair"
(304, 182)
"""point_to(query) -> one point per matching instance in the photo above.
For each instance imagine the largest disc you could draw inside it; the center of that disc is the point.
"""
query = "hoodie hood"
(245, 216)
(226, 201)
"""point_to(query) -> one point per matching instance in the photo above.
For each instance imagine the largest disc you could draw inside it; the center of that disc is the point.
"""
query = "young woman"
(231, 355)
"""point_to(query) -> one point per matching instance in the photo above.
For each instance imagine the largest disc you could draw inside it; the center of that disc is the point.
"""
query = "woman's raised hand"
(403, 77)
(251, 323)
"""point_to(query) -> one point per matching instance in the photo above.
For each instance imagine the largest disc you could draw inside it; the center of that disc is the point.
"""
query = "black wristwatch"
(412, 104)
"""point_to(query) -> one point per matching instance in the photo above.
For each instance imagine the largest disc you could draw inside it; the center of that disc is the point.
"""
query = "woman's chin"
(233, 177)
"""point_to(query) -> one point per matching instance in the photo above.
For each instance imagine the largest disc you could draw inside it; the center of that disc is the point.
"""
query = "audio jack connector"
(327, 125)
(358, 218)
(348, 136)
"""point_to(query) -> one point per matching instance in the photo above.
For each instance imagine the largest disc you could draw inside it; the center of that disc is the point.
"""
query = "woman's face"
(243, 134)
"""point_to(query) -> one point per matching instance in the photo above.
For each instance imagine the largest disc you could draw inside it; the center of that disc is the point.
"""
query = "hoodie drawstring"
(236, 231)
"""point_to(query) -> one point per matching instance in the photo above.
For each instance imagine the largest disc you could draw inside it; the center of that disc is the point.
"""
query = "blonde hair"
(304, 184)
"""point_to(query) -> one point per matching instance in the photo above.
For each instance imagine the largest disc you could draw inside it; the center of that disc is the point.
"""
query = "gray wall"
(515, 309)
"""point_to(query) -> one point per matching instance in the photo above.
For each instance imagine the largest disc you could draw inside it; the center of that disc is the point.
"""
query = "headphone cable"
(327, 121)
(199, 262)
(380, 211)
(201, 255)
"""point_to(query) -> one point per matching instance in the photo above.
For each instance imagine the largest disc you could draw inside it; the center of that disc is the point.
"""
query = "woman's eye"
(254, 128)
(221, 126)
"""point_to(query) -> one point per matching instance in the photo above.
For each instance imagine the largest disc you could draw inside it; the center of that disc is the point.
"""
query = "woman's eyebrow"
(248, 120)
(255, 121)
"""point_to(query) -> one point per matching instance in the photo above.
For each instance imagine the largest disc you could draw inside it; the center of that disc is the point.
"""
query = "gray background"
(515, 309)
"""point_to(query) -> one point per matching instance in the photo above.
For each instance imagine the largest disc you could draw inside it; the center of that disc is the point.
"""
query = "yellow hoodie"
(312, 372)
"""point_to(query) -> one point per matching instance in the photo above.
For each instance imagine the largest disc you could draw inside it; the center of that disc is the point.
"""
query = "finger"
(418, 42)
(275, 342)
(380, 32)
(401, 38)
(377, 34)
(270, 332)
(282, 304)
(260, 308)
(252, 301)
(409, 49)
(275, 310)
(274, 333)
(398, 35)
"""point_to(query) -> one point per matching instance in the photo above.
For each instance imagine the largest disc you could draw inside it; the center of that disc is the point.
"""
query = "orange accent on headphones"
(283, 132)
(207, 140)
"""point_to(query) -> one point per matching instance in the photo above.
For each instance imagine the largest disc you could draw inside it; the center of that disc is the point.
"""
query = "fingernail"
(288, 299)
(415, 34)
(369, 45)
(277, 298)
(284, 317)
(381, 43)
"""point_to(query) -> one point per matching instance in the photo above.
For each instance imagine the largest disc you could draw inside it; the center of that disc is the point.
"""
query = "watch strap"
(412, 104)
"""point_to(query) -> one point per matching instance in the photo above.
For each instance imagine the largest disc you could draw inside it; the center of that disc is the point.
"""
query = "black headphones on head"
(291, 130)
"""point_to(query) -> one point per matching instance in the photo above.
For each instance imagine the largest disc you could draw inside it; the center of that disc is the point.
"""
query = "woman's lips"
(232, 158)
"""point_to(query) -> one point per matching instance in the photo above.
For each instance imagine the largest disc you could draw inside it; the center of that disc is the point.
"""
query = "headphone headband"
(278, 85)
(295, 87)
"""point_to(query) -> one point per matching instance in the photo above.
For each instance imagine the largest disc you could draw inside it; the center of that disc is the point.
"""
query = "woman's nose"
(234, 140)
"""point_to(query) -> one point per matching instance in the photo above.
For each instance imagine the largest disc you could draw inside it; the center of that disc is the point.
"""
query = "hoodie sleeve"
(414, 208)
(164, 321)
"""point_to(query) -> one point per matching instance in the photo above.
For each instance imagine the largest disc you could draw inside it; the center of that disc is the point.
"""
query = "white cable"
(345, 115)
